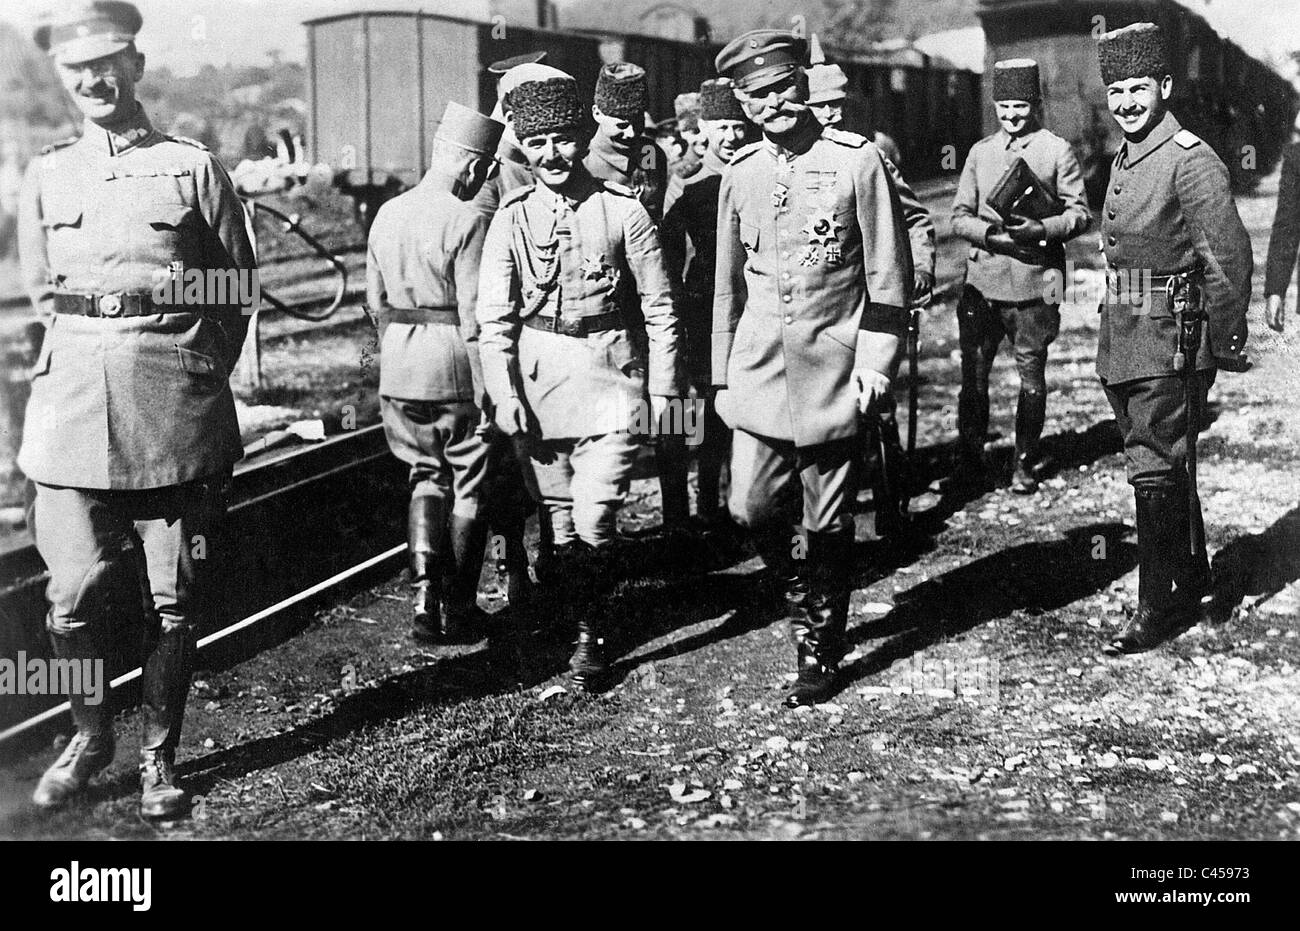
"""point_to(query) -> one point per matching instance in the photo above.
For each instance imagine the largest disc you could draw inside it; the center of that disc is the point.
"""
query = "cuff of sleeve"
(720, 356)
(1056, 227)
(884, 318)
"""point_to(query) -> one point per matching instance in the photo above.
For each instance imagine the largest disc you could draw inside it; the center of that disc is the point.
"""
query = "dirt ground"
(976, 704)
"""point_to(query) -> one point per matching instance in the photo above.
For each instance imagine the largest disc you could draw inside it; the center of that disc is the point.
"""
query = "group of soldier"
(547, 294)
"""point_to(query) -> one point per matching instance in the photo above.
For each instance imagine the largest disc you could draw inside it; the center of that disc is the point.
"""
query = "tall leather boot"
(426, 532)
(972, 430)
(820, 640)
(460, 617)
(1031, 414)
(92, 747)
(165, 685)
(589, 664)
(673, 465)
(1161, 528)
(1193, 579)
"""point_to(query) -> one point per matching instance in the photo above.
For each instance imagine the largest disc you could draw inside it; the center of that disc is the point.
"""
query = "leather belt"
(580, 326)
(418, 315)
(116, 304)
(1134, 280)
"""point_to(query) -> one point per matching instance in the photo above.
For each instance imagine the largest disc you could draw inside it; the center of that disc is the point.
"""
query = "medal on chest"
(593, 266)
(823, 231)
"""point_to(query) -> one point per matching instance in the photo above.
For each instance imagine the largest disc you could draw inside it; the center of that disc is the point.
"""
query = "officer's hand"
(871, 386)
(1275, 312)
(486, 427)
(512, 417)
(1026, 231)
(1000, 241)
(922, 288)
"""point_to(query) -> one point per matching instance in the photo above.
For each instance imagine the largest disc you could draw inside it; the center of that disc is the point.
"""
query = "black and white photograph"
(566, 420)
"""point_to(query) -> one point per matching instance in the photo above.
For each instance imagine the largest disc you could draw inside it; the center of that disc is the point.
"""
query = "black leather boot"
(92, 747)
(426, 533)
(582, 567)
(165, 686)
(460, 619)
(1162, 528)
(672, 463)
(1031, 414)
(820, 638)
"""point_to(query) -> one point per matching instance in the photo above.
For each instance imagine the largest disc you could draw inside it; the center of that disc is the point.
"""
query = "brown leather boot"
(425, 528)
(92, 747)
(165, 685)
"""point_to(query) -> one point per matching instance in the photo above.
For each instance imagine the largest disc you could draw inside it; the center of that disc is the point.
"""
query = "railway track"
(303, 523)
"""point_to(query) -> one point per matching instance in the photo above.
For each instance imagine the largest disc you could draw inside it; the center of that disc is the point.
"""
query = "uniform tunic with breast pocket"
(144, 401)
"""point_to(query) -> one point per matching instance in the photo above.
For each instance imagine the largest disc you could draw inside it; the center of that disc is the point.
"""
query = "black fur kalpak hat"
(1016, 79)
(718, 101)
(621, 91)
(549, 106)
(1136, 51)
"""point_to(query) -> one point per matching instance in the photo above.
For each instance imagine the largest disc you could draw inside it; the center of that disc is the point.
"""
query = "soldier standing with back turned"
(813, 279)
(422, 265)
(1178, 272)
(131, 431)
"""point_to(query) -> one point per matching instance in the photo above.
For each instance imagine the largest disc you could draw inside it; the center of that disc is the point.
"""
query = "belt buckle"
(110, 305)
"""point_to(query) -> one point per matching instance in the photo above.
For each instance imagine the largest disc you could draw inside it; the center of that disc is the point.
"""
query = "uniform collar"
(552, 199)
(1130, 153)
(805, 133)
(123, 136)
(1018, 143)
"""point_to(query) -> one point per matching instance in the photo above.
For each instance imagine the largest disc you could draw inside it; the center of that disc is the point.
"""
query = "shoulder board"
(745, 151)
(843, 137)
(61, 144)
(615, 188)
(187, 141)
(516, 195)
(1188, 140)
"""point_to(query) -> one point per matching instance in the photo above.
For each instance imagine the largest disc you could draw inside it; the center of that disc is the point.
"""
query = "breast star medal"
(823, 230)
(593, 266)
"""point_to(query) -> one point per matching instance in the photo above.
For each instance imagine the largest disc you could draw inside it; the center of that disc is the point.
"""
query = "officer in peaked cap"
(131, 431)
(813, 281)
(422, 268)
(1179, 267)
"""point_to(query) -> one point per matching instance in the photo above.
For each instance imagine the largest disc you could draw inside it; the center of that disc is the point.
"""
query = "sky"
(186, 34)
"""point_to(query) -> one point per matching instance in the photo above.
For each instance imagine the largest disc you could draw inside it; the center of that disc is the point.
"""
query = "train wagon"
(1240, 106)
(379, 81)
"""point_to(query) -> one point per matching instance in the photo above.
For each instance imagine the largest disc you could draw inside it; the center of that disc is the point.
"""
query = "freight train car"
(379, 82)
(1240, 106)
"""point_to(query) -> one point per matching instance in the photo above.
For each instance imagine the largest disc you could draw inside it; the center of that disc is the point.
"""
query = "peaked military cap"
(469, 129)
(505, 64)
(718, 101)
(760, 57)
(85, 31)
(549, 106)
(1016, 79)
(621, 91)
(1136, 51)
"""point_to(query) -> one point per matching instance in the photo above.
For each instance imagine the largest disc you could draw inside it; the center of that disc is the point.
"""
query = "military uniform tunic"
(812, 251)
(423, 256)
(131, 402)
(569, 261)
(1170, 209)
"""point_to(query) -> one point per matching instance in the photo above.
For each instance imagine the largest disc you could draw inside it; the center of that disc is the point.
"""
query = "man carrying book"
(1012, 260)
